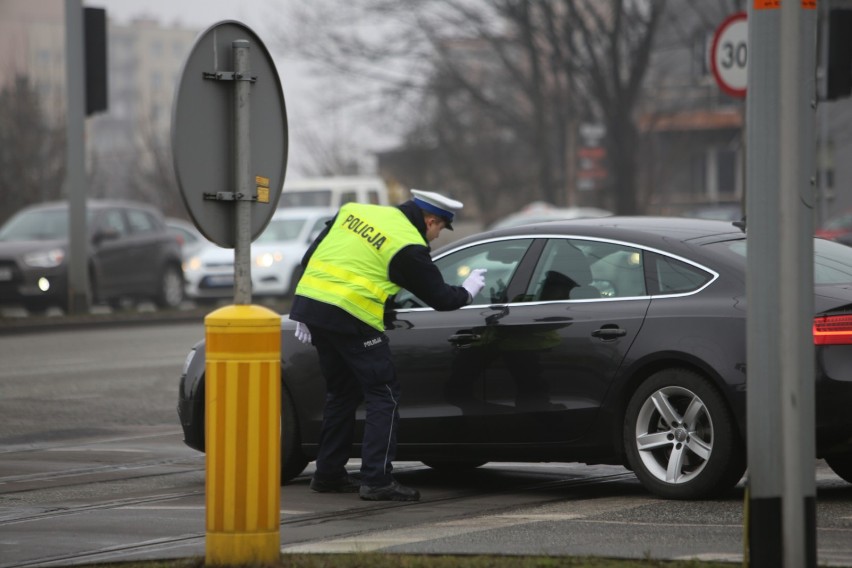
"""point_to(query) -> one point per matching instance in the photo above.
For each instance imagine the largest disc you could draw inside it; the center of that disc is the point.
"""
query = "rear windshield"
(832, 261)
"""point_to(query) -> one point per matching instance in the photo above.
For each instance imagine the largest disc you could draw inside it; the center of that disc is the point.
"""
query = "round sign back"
(729, 55)
(203, 133)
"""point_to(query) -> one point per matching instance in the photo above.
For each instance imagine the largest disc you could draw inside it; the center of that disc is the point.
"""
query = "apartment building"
(144, 60)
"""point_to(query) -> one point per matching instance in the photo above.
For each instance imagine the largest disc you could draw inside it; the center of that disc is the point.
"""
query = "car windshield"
(45, 225)
(282, 230)
(832, 261)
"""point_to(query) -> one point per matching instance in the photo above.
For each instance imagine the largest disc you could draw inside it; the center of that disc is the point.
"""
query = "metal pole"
(780, 202)
(242, 170)
(75, 177)
(825, 196)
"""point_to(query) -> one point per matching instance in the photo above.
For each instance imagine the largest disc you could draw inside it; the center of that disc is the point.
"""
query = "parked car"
(838, 228)
(720, 211)
(130, 255)
(539, 211)
(188, 237)
(612, 340)
(276, 255)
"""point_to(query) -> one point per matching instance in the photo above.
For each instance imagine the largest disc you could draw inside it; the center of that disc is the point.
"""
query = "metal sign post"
(229, 127)
(242, 114)
(75, 179)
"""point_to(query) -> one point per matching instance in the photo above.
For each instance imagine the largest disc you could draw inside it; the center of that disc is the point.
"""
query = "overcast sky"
(301, 91)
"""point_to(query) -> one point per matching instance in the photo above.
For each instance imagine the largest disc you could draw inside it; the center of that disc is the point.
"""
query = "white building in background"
(144, 60)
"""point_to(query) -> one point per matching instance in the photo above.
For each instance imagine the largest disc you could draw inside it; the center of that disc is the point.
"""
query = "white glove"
(475, 282)
(303, 334)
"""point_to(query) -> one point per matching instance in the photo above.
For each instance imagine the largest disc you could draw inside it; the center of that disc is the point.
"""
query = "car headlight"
(267, 259)
(45, 258)
(192, 264)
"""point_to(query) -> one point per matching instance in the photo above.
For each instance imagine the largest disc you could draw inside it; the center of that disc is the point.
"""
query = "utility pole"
(75, 176)
(780, 121)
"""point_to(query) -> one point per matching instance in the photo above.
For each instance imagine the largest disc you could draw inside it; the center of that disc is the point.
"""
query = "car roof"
(92, 204)
(649, 231)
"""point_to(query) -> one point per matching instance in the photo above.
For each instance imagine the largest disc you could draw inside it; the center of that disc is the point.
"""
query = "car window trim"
(545, 237)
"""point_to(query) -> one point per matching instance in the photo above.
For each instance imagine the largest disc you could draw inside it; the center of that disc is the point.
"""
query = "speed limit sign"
(729, 55)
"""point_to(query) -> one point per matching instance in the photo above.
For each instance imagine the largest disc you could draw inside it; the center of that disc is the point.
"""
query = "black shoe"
(391, 492)
(347, 484)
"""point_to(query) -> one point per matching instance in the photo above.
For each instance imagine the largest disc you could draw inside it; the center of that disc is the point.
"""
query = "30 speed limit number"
(729, 55)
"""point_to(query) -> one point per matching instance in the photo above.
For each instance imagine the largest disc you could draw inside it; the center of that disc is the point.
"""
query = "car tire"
(841, 465)
(453, 465)
(691, 449)
(293, 461)
(170, 294)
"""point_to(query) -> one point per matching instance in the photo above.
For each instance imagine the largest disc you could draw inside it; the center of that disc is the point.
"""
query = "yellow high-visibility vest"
(349, 268)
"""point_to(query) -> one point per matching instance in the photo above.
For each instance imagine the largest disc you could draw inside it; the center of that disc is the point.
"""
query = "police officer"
(364, 256)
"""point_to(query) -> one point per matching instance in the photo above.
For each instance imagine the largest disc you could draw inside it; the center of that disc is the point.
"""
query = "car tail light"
(833, 330)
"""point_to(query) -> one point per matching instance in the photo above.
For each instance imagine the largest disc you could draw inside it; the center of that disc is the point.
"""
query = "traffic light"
(839, 54)
(95, 44)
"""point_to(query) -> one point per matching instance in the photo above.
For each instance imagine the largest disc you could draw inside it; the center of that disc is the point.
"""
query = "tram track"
(159, 547)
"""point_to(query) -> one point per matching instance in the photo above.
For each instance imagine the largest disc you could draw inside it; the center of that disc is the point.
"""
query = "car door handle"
(464, 339)
(607, 332)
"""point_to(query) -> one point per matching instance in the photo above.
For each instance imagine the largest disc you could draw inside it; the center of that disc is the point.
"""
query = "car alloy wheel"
(680, 437)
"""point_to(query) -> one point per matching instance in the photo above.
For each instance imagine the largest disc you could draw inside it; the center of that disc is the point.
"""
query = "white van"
(333, 191)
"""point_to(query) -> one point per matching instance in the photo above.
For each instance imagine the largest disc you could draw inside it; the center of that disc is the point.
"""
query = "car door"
(112, 265)
(553, 355)
(443, 390)
(145, 245)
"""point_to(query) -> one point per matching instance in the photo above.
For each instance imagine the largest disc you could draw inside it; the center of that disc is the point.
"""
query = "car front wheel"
(680, 437)
(293, 461)
(170, 294)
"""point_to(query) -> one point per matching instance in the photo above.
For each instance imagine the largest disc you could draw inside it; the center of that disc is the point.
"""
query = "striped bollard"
(242, 431)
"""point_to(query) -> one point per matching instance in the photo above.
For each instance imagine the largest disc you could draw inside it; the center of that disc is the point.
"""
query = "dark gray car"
(130, 255)
(614, 340)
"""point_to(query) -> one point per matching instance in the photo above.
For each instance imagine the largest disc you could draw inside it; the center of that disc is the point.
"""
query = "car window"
(373, 197)
(832, 260)
(111, 220)
(577, 269)
(185, 236)
(672, 276)
(319, 225)
(500, 258)
(563, 273)
(617, 269)
(140, 221)
(305, 198)
(348, 197)
(282, 230)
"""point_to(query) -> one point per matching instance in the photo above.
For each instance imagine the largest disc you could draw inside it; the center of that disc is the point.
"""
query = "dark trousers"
(357, 368)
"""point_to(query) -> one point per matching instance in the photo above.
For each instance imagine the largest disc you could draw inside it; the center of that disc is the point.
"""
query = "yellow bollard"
(242, 432)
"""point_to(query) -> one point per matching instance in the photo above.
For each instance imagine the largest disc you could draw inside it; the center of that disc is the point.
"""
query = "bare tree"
(522, 73)
(32, 150)
(152, 174)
